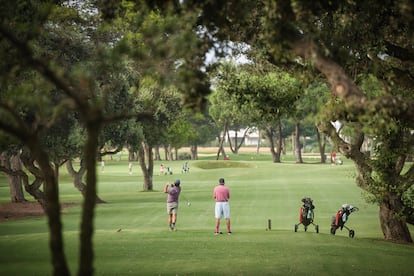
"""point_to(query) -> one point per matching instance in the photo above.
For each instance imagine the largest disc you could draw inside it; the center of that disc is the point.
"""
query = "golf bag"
(186, 169)
(306, 214)
(338, 161)
(341, 217)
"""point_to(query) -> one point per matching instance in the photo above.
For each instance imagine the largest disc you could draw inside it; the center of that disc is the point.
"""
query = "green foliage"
(190, 129)
(164, 46)
(249, 96)
(408, 197)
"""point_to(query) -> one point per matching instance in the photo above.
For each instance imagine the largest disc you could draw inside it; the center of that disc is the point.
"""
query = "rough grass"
(131, 236)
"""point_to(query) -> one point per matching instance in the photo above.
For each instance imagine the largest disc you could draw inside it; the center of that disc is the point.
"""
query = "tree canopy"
(76, 60)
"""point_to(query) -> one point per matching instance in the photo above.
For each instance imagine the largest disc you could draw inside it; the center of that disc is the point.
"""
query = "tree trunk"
(165, 152)
(237, 145)
(17, 194)
(12, 164)
(393, 227)
(279, 139)
(53, 211)
(34, 188)
(150, 160)
(86, 255)
(194, 152)
(157, 155)
(143, 151)
(232, 149)
(321, 145)
(258, 143)
(221, 142)
(77, 177)
(176, 154)
(170, 153)
(298, 153)
(243, 139)
(270, 136)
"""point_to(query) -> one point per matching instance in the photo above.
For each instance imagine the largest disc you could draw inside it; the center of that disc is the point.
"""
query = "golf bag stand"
(306, 215)
(341, 217)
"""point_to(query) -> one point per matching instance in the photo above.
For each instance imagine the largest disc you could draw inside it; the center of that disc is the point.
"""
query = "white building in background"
(251, 139)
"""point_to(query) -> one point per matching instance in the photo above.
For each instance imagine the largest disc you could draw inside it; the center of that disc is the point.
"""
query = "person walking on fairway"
(222, 208)
(173, 191)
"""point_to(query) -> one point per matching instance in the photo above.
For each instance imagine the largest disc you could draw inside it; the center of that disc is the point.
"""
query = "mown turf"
(132, 237)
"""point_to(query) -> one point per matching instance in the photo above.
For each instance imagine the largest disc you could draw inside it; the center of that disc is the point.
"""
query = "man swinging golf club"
(173, 191)
(222, 208)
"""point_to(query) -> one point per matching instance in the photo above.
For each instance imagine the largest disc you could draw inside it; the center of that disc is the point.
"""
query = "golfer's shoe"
(216, 233)
(229, 233)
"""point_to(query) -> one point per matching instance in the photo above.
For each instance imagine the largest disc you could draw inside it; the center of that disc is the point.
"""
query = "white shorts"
(222, 210)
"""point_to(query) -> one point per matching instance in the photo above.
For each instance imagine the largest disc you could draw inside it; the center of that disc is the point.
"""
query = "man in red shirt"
(222, 208)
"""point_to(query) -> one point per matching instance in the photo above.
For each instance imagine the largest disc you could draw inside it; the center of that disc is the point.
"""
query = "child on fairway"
(222, 208)
(173, 191)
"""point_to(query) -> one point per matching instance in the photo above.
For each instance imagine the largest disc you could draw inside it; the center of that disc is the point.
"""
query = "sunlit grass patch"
(218, 164)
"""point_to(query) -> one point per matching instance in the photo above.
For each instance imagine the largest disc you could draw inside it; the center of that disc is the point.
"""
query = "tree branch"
(43, 68)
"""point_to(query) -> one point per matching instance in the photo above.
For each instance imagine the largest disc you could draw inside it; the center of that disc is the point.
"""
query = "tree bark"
(279, 139)
(194, 152)
(235, 149)
(170, 153)
(86, 255)
(221, 142)
(34, 188)
(393, 227)
(145, 156)
(51, 190)
(321, 145)
(298, 152)
(176, 154)
(165, 152)
(11, 163)
(258, 143)
(77, 177)
(157, 155)
(271, 137)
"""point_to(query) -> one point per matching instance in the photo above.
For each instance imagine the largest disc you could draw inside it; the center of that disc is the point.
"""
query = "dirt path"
(14, 211)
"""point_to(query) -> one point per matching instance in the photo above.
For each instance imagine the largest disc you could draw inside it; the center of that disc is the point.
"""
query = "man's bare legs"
(172, 219)
(218, 225)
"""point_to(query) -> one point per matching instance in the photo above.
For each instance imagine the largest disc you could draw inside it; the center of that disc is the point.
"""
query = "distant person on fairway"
(130, 167)
(162, 169)
(222, 208)
(173, 191)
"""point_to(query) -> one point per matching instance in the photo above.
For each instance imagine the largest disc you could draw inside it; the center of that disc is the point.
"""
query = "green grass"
(131, 236)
